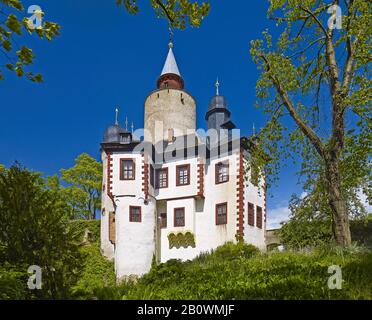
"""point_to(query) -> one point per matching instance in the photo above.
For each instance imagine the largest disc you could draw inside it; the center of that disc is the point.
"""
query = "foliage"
(361, 230)
(310, 222)
(315, 86)
(34, 231)
(179, 13)
(88, 231)
(84, 193)
(96, 273)
(12, 283)
(16, 24)
(240, 272)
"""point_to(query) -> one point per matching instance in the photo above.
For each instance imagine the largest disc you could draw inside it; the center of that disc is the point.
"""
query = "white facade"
(139, 205)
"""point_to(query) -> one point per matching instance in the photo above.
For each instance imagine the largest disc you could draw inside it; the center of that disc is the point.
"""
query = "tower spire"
(217, 87)
(170, 77)
(170, 65)
(117, 116)
(170, 35)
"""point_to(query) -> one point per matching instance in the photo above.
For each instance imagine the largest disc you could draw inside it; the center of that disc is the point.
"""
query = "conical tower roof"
(170, 77)
(170, 65)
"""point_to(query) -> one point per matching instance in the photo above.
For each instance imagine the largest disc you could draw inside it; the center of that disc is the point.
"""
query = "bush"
(96, 273)
(13, 284)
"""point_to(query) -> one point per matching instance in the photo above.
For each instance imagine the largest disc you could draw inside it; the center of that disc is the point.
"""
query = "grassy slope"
(238, 272)
(231, 272)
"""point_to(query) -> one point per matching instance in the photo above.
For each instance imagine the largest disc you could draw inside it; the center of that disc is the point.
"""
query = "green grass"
(241, 272)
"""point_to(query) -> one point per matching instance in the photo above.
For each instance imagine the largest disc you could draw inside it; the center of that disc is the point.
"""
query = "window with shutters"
(135, 214)
(162, 178)
(259, 217)
(179, 217)
(127, 169)
(222, 172)
(250, 214)
(221, 213)
(183, 175)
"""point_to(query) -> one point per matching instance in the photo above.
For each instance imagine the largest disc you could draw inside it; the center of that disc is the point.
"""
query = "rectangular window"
(179, 217)
(259, 217)
(222, 172)
(112, 231)
(127, 169)
(162, 178)
(251, 214)
(183, 175)
(163, 220)
(135, 214)
(221, 213)
(152, 176)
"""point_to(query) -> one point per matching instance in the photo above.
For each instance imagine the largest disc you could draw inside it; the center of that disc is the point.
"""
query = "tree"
(179, 13)
(15, 23)
(84, 192)
(313, 63)
(34, 230)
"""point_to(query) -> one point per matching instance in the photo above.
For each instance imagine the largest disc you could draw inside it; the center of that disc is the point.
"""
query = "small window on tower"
(222, 172)
(152, 176)
(162, 178)
(183, 175)
(221, 213)
(127, 169)
(179, 217)
(135, 214)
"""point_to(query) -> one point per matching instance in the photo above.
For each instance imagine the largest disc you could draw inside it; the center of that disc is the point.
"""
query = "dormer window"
(127, 169)
(125, 138)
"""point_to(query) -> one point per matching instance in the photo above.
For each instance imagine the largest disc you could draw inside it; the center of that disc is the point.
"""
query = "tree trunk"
(337, 203)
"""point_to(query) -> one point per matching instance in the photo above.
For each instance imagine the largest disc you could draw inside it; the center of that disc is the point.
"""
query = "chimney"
(171, 135)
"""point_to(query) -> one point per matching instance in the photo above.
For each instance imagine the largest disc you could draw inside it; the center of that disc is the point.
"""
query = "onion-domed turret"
(117, 134)
(218, 116)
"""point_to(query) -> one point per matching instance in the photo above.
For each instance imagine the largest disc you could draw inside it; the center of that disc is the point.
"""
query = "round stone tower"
(169, 111)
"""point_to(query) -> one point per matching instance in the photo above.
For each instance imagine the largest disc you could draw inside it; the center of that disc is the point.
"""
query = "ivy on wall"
(180, 239)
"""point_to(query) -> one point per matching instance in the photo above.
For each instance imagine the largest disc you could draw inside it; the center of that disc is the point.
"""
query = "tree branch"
(161, 4)
(315, 140)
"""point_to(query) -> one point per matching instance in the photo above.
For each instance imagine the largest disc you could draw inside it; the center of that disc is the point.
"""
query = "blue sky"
(106, 58)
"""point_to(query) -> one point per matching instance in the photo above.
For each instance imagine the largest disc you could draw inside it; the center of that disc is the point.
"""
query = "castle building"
(176, 192)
